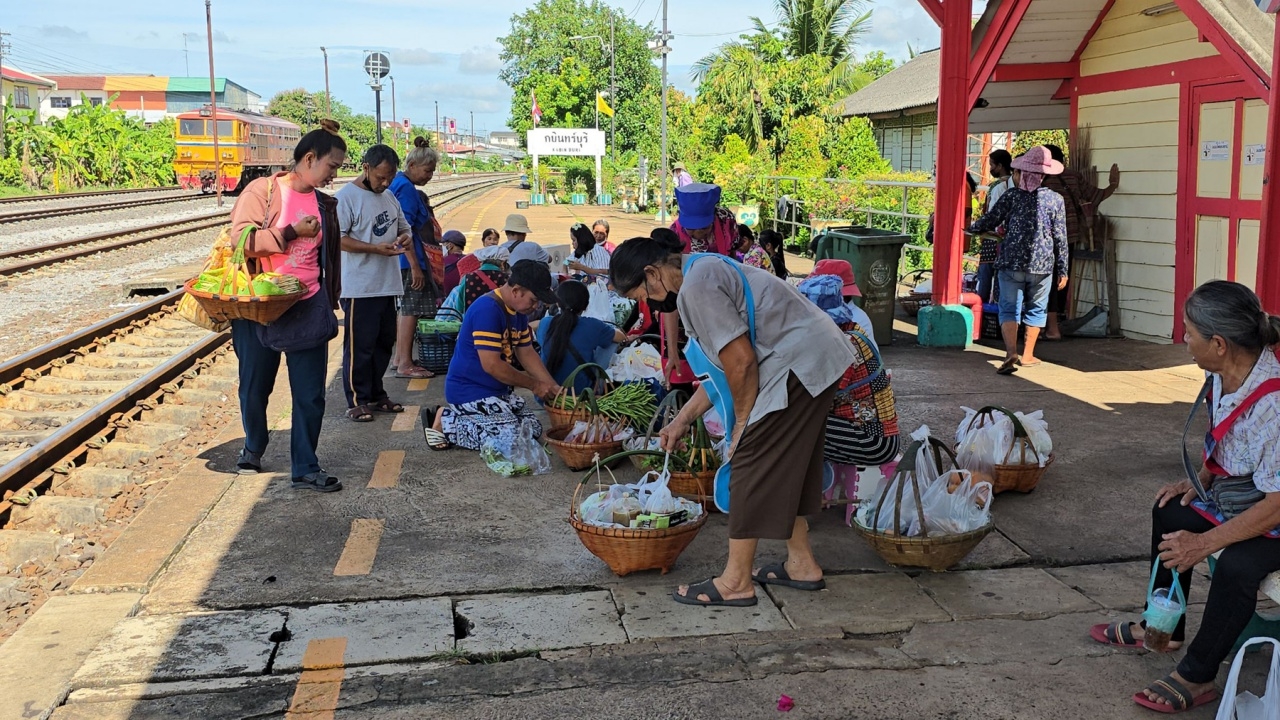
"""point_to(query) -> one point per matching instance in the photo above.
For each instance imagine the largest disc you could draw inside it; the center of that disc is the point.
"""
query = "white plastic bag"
(927, 469)
(600, 306)
(1246, 705)
(641, 362)
(1038, 431)
(952, 513)
(985, 446)
(660, 501)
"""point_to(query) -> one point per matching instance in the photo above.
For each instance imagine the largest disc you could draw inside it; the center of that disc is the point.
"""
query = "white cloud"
(480, 98)
(62, 32)
(480, 61)
(416, 56)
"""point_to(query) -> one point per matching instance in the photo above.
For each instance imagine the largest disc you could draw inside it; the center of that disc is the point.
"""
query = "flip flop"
(1033, 363)
(360, 414)
(1119, 634)
(417, 373)
(436, 440)
(780, 577)
(1176, 694)
(1008, 367)
(387, 406)
(708, 588)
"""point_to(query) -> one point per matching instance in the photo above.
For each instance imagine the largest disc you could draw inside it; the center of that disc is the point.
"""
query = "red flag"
(537, 111)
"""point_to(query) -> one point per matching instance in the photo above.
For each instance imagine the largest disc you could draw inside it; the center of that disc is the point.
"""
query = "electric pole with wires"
(4, 103)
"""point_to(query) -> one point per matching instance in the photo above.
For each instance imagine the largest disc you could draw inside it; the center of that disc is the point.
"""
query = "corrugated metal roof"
(195, 84)
(136, 83)
(16, 75)
(80, 82)
(912, 85)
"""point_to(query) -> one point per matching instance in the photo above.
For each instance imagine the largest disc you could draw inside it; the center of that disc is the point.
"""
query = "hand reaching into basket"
(671, 436)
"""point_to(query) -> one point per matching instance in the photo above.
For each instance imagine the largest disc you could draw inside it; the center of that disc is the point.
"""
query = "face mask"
(665, 305)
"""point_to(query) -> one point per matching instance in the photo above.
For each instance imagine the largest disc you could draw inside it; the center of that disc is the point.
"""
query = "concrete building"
(150, 98)
(22, 90)
(1176, 93)
(504, 139)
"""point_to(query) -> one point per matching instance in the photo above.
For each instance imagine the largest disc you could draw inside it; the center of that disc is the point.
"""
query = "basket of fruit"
(628, 532)
(228, 292)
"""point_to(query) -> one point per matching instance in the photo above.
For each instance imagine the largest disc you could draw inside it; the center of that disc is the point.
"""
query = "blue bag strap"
(746, 288)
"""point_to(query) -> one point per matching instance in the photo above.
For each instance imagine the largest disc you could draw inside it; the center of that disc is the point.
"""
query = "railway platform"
(432, 588)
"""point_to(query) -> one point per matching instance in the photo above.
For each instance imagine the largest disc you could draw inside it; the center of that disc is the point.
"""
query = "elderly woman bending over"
(1234, 341)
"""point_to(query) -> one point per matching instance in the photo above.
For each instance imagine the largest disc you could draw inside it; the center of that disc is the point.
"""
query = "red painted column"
(1269, 248)
(953, 140)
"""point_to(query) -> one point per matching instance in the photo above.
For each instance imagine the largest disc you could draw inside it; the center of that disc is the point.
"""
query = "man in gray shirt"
(374, 236)
(517, 228)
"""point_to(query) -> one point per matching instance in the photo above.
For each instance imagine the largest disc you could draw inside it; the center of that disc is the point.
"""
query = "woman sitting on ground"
(750, 252)
(568, 339)
(454, 243)
(772, 242)
(589, 260)
(1233, 340)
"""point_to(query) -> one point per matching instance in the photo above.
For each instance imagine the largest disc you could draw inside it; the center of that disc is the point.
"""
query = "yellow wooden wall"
(1127, 39)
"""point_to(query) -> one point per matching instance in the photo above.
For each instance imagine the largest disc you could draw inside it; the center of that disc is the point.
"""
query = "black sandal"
(780, 577)
(708, 588)
(320, 481)
(387, 405)
(360, 413)
(435, 439)
(1174, 693)
(1008, 367)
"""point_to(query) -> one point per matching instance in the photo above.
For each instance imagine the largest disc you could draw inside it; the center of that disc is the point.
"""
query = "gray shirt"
(375, 218)
(526, 250)
(792, 334)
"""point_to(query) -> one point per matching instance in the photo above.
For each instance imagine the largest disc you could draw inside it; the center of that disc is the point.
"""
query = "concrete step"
(53, 512)
(91, 481)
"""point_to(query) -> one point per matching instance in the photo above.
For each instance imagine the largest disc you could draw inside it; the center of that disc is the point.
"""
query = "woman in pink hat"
(1033, 254)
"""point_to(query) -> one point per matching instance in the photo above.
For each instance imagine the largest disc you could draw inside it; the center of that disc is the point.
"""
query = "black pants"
(369, 336)
(1233, 593)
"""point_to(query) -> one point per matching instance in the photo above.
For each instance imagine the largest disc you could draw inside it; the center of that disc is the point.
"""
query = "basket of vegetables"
(589, 439)
(923, 549)
(696, 458)
(654, 543)
(565, 408)
(227, 292)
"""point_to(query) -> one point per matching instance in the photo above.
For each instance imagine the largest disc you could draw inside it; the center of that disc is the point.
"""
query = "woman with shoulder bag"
(295, 232)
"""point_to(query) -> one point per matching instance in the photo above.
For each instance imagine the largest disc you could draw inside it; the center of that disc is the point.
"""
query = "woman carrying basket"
(1234, 341)
(294, 230)
(770, 362)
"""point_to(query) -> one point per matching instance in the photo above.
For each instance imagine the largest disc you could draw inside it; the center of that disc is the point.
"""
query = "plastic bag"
(600, 306)
(520, 455)
(661, 501)
(985, 446)
(951, 513)
(1246, 705)
(641, 362)
(909, 518)
(927, 469)
(1038, 431)
(1165, 608)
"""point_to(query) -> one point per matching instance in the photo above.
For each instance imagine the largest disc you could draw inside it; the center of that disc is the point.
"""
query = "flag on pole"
(602, 106)
(536, 111)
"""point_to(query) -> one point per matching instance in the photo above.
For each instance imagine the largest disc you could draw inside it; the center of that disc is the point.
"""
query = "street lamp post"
(213, 103)
(661, 47)
(328, 102)
(611, 48)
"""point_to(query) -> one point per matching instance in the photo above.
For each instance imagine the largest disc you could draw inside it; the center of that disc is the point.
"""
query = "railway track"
(64, 400)
(76, 195)
(22, 260)
(46, 213)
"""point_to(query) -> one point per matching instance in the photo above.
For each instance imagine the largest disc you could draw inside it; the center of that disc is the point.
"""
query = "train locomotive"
(251, 146)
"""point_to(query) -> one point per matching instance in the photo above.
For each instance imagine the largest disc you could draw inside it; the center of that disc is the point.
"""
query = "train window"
(224, 129)
(191, 127)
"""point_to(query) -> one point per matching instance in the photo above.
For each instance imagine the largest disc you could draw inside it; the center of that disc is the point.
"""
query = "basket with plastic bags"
(926, 516)
(1011, 450)
(518, 454)
(696, 460)
(635, 526)
(593, 435)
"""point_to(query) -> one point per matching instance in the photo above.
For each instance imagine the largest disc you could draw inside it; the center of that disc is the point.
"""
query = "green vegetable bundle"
(630, 403)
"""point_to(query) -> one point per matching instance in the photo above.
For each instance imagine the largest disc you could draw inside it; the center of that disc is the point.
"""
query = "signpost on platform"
(567, 141)
(377, 66)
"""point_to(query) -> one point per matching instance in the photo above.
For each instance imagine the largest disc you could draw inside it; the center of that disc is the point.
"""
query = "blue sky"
(440, 51)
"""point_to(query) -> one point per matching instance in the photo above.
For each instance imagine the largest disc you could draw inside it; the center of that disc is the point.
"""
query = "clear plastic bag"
(600, 306)
(521, 455)
(641, 362)
(661, 501)
(952, 513)
(985, 446)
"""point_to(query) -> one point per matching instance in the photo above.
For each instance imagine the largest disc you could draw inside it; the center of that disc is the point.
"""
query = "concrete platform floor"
(429, 587)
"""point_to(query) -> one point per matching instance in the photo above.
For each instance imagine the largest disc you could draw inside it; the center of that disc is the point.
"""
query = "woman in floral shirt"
(1033, 254)
(749, 252)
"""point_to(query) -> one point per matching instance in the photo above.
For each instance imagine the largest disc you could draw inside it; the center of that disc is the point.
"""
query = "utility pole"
(328, 103)
(473, 134)
(662, 48)
(439, 141)
(395, 124)
(4, 46)
(613, 90)
(186, 58)
(213, 102)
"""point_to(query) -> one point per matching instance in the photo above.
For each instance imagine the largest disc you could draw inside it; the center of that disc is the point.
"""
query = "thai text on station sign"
(566, 141)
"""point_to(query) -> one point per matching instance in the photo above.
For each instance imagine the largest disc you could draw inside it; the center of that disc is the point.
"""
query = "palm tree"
(823, 27)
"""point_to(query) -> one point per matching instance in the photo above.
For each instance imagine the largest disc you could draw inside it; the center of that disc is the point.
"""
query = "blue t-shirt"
(588, 335)
(415, 212)
(488, 326)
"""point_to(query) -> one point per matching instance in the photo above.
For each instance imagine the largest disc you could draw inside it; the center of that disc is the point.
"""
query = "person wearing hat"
(517, 228)
(1033, 254)
(701, 224)
(480, 386)
(454, 243)
(682, 176)
(862, 425)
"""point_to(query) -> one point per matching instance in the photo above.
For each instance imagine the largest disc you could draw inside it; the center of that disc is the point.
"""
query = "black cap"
(535, 277)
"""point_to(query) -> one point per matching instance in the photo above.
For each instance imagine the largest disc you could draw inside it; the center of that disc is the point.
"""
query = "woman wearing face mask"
(300, 237)
(771, 362)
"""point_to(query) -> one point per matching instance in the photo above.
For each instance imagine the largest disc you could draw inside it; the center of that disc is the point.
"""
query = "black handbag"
(309, 324)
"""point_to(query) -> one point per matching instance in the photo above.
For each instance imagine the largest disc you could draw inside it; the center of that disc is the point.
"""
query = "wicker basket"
(1021, 470)
(561, 418)
(580, 456)
(262, 309)
(932, 552)
(627, 550)
(435, 350)
(911, 301)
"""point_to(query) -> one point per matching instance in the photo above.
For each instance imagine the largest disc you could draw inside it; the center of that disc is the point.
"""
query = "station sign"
(566, 141)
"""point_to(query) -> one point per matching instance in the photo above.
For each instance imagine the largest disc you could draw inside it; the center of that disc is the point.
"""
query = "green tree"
(852, 151)
(877, 64)
(1024, 141)
(830, 28)
(540, 56)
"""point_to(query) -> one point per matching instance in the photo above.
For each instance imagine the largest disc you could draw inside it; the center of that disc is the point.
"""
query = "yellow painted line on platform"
(406, 420)
(361, 548)
(386, 472)
(475, 226)
(320, 684)
(419, 384)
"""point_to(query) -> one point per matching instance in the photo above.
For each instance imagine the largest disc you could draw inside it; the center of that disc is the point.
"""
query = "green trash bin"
(875, 255)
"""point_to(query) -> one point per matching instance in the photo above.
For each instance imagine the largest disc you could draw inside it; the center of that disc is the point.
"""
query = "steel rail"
(179, 227)
(25, 215)
(74, 195)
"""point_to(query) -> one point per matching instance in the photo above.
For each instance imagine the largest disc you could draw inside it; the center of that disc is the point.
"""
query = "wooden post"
(953, 140)
(1269, 250)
